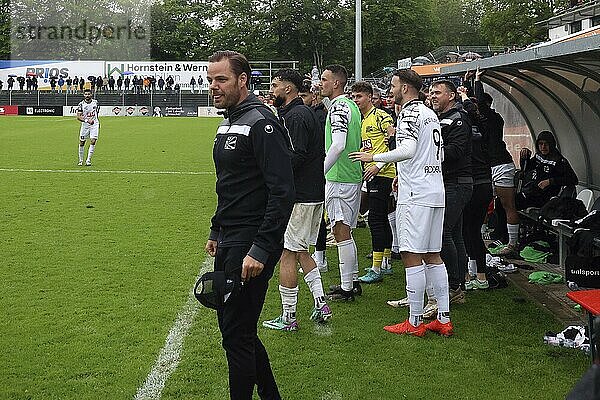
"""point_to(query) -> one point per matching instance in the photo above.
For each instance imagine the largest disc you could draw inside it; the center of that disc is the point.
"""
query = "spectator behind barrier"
(544, 174)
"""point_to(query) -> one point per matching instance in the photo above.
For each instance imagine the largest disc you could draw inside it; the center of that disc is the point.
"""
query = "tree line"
(322, 31)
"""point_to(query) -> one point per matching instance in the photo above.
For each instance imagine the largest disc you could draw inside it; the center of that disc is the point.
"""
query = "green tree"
(180, 31)
(315, 32)
(393, 30)
(457, 22)
(243, 25)
(512, 22)
(4, 30)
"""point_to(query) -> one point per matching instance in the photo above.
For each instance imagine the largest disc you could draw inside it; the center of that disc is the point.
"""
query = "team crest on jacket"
(269, 128)
(230, 142)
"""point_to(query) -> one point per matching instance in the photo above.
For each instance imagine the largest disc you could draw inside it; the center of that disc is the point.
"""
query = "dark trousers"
(453, 252)
(500, 229)
(378, 190)
(472, 221)
(322, 238)
(246, 356)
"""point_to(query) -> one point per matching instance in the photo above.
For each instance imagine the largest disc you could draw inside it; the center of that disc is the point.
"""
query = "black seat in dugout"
(596, 205)
(566, 228)
(533, 223)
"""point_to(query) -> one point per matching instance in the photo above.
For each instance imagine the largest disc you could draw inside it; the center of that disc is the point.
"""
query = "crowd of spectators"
(102, 84)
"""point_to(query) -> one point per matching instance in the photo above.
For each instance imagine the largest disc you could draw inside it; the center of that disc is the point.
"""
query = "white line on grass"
(169, 355)
(97, 171)
(323, 329)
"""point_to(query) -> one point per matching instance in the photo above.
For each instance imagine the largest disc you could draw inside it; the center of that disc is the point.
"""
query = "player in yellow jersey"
(377, 126)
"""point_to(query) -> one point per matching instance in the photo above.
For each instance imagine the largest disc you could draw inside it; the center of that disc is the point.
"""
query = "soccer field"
(98, 264)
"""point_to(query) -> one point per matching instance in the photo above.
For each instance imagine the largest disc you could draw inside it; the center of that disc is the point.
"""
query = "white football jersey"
(89, 110)
(420, 178)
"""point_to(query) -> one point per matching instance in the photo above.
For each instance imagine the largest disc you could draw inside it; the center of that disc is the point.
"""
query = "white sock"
(392, 221)
(90, 152)
(320, 256)
(472, 267)
(81, 151)
(348, 260)
(289, 299)
(385, 263)
(313, 280)
(513, 233)
(437, 275)
(355, 265)
(430, 292)
(415, 289)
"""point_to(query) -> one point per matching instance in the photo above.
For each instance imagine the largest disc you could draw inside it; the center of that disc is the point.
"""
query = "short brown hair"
(450, 86)
(362, 87)
(410, 77)
(339, 71)
(238, 62)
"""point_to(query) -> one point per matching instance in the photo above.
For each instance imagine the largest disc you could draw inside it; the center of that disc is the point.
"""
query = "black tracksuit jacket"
(308, 154)
(456, 134)
(255, 182)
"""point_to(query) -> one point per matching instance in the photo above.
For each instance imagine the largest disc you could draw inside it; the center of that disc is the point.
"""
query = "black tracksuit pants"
(453, 251)
(246, 356)
(473, 217)
(379, 189)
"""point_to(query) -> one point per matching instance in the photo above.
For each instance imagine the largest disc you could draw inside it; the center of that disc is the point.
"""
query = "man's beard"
(278, 101)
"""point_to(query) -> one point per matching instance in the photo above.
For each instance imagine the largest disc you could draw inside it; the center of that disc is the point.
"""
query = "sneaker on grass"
(371, 277)
(387, 270)
(476, 284)
(356, 288)
(321, 315)
(431, 309)
(280, 324)
(398, 303)
(405, 328)
(443, 329)
(339, 294)
(457, 296)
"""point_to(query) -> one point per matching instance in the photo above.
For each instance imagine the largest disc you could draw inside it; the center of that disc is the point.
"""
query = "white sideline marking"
(98, 171)
(333, 395)
(169, 356)
(323, 329)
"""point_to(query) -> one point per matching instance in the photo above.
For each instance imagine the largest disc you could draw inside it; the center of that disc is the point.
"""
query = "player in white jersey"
(87, 113)
(421, 200)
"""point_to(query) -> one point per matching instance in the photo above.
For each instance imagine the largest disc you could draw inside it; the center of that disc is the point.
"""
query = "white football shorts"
(503, 175)
(419, 228)
(303, 228)
(342, 202)
(88, 131)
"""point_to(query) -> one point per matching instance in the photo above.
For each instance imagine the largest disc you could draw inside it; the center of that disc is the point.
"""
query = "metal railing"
(150, 98)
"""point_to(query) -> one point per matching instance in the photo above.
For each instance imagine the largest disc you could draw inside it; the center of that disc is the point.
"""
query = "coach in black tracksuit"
(482, 187)
(255, 193)
(458, 180)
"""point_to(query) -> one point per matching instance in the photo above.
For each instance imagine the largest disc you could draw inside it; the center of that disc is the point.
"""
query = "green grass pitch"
(97, 263)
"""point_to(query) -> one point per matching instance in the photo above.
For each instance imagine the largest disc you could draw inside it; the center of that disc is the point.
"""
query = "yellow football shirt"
(374, 132)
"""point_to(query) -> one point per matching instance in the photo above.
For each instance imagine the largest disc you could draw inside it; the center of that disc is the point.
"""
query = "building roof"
(582, 12)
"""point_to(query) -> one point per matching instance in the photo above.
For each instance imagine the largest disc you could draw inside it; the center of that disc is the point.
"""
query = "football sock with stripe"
(415, 289)
(313, 280)
(348, 263)
(289, 300)
(90, 152)
(438, 276)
